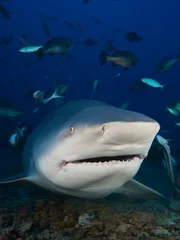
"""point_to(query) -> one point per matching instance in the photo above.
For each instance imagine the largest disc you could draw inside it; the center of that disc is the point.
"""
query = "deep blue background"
(158, 22)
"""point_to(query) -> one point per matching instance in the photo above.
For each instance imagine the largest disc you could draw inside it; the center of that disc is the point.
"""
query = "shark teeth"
(100, 163)
(64, 166)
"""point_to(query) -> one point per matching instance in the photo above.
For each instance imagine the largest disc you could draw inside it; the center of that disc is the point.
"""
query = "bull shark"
(89, 149)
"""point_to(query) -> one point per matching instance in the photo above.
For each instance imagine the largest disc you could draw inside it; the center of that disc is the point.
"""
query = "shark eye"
(71, 129)
(102, 130)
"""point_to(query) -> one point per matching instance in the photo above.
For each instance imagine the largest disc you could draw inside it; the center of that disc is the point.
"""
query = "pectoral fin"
(135, 189)
(14, 179)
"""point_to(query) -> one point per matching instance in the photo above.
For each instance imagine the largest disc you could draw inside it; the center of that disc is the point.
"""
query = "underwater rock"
(24, 228)
(123, 228)
(45, 218)
(161, 232)
(85, 219)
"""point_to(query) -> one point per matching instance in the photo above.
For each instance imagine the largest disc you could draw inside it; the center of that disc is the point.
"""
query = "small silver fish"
(30, 49)
(39, 96)
(166, 64)
(95, 83)
(173, 111)
(152, 83)
(177, 124)
(118, 75)
(35, 110)
(18, 133)
(9, 112)
(14, 139)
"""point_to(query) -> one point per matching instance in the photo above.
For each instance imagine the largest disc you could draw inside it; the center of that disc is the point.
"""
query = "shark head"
(88, 148)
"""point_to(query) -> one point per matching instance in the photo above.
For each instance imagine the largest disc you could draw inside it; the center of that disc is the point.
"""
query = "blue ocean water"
(157, 23)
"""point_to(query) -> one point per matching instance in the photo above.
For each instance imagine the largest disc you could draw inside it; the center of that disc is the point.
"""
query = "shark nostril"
(71, 129)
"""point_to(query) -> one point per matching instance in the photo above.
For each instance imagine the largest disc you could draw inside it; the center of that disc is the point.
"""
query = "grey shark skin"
(58, 154)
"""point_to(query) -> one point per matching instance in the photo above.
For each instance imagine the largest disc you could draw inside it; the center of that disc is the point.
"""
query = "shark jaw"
(92, 178)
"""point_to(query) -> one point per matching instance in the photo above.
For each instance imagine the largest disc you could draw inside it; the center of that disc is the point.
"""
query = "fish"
(118, 75)
(18, 134)
(173, 111)
(125, 59)
(117, 78)
(95, 84)
(35, 110)
(45, 27)
(4, 12)
(124, 105)
(24, 41)
(39, 96)
(30, 49)
(8, 110)
(71, 25)
(133, 37)
(58, 45)
(14, 139)
(89, 149)
(152, 83)
(176, 106)
(167, 63)
(169, 163)
(177, 124)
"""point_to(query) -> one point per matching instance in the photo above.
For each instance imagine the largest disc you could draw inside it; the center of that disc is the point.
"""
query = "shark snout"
(130, 137)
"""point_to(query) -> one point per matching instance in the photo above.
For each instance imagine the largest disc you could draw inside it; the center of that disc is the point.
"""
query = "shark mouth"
(126, 158)
(106, 160)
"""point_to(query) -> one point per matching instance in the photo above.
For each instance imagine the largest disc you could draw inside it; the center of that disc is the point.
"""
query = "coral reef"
(43, 216)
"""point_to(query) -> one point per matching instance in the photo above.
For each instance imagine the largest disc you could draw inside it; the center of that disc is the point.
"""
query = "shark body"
(89, 149)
